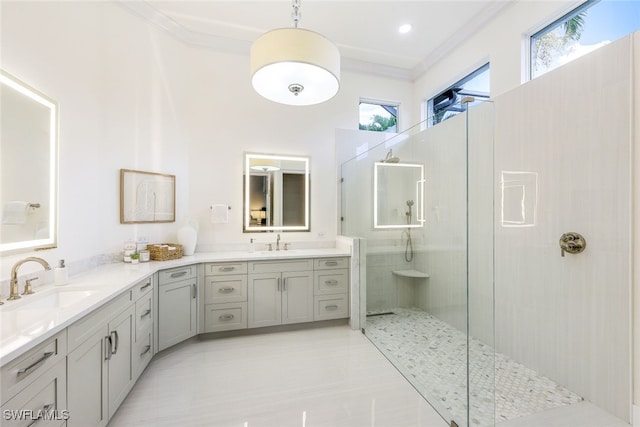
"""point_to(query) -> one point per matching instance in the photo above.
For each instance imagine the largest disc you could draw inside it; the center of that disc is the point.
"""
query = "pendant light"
(295, 66)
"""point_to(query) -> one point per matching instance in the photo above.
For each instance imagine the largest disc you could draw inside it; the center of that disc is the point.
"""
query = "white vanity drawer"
(221, 268)
(23, 370)
(176, 274)
(144, 314)
(142, 352)
(47, 395)
(327, 263)
(223, 289)
(331, 281)
(225, 317)
(142, 288)
(280, 266)
(330, 307)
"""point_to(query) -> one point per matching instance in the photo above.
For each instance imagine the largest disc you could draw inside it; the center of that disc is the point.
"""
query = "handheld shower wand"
(408, 250)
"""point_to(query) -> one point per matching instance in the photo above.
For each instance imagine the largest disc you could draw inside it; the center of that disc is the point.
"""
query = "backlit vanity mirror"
(276, 193)
(398, 195)
(28, 158)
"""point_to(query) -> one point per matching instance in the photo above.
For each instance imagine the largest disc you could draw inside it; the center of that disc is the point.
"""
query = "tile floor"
(432, 355)
(324, 377)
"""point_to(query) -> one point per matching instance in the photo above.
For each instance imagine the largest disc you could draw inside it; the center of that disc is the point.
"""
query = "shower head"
(409, 203)
(391, 158)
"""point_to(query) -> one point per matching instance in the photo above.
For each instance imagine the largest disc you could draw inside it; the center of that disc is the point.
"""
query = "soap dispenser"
(252, 246)
(61, 274)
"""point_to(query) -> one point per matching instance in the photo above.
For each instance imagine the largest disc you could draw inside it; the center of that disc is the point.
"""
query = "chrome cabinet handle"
(331, 263)
(331, 307)
(278, 284)
(226, 268)
(145, 286)
(226, 290)
(226, 317)
(331, 282)
(178, 274)
(194, 291)
(115, 341)
(147, 349)
(44, 357)
(107, 347)
(146, 313)
(44, 409)
(284, 284)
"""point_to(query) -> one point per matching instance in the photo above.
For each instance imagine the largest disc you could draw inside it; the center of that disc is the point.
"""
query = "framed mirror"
(28, 158)
(398, 195)
(276, 193)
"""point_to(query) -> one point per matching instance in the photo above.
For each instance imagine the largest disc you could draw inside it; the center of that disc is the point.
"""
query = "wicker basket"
(161, 252)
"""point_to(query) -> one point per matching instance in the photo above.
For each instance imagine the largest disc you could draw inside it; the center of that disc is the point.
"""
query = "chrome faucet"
(14, 292)
(278, 242)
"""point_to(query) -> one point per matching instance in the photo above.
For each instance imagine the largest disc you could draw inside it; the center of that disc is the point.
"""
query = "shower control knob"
(572, 243)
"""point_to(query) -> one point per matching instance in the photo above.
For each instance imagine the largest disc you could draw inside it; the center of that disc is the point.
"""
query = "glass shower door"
(428, 290)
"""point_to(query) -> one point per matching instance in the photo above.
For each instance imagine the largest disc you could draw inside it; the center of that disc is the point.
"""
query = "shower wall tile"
(569, 317)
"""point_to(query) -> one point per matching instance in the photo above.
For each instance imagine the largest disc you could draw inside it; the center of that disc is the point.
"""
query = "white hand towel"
(15, 213)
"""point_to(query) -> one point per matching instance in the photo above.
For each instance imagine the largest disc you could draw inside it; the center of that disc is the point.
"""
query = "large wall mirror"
(28, 157)
(276, 193)
(398, 195)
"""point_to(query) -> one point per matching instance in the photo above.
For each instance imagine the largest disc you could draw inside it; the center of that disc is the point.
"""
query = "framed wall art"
(147, 197)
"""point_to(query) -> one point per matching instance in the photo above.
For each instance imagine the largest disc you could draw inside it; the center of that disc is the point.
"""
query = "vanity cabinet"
(330, 288)
(45, 396)
(280, 292)
(99, 364)
(143, 348)
(36, 381)
(225, 296)
(177, 305)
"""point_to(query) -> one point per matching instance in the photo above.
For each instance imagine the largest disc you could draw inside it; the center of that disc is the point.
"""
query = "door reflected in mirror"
(398, 195)
(276, 193)
(28, 147)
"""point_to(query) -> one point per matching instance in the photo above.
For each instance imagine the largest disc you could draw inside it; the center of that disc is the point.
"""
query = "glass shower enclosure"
(422, 202)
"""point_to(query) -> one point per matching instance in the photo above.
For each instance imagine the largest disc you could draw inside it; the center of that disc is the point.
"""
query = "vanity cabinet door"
(121, 330)
(297, 297)
(87, 382)
(177, 311)
(265, 300)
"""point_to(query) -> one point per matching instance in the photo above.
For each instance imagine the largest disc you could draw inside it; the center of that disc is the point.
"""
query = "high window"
(378, 116)
(447, 103)
(593, 24)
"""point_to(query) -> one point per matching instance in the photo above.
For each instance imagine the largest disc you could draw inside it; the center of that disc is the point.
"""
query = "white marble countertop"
(27, 322)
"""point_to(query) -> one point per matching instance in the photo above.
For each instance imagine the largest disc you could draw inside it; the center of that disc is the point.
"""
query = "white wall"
(568, 317)
(133, 97)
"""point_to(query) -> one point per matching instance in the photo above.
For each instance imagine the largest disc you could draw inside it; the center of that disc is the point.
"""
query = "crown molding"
(242, 47)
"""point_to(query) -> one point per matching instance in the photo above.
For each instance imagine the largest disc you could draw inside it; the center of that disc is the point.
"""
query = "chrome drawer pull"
(146, 313)
(331, 263)
(107, 347)
(226, 268)
(36, 363)
(331, 282)
(147, 349)
(331, 307)
(226, 290)
(46, 408)
(226, 317)
(178, 274)
(145, 286)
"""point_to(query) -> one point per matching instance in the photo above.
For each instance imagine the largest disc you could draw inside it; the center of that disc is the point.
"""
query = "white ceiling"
(366, 32)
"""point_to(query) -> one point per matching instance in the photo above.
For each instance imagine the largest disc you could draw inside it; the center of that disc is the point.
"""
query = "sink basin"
(50, 299)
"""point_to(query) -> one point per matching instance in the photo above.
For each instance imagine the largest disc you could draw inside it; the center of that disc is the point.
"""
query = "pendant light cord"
(296, 15)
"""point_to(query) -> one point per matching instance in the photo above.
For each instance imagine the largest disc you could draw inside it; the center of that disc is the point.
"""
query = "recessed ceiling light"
(405, 28)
